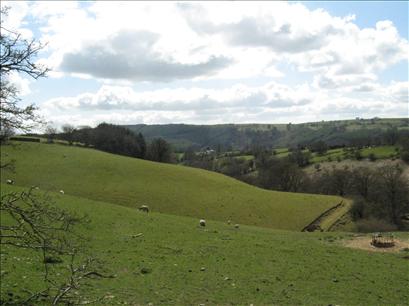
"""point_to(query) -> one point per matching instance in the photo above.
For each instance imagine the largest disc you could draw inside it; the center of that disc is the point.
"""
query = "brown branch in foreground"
(37, 224)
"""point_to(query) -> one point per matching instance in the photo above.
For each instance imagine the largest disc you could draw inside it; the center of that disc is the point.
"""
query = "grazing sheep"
(10, 182)
(202, 222)
(62, 191)
(236, 226)
(228, 222)
(144, 208)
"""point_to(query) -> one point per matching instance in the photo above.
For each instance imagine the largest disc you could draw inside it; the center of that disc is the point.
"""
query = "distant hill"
(165, 188)
(240, 136)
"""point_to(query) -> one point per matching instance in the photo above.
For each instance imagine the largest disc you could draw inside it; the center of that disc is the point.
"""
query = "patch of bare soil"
(364, 243)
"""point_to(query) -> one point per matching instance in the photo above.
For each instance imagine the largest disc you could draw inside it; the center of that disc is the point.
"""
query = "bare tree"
(33, 223)
(393, 191)
(17, 55)
(50, 132)
(68, 131)
(5, 133)
(362, 180)
(159, 150)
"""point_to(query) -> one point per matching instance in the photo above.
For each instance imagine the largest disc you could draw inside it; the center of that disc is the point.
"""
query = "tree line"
(114, 139)
(357, 133)
(380, 193)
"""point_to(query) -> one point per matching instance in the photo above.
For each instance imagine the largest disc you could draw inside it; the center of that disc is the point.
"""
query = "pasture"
(166, 188)
(185, 264)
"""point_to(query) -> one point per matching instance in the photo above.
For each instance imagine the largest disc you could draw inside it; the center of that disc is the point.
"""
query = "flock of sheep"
(145, 208)
(202, 222)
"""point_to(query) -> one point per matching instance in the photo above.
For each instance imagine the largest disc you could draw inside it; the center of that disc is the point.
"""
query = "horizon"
(215, 63)
(273, 123)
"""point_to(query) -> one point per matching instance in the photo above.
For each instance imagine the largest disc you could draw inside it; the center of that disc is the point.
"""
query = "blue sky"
(368, 13)
(206, 63)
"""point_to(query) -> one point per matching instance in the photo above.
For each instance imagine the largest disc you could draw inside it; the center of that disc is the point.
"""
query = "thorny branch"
(34, 222)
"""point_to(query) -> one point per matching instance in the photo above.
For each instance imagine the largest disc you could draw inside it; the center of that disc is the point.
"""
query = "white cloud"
(22, 84)
(397, 92)
(211, 44)
(356, 56)
(256, 36)
(270, 96)
(14, 19)
(131, 55)
(239, 103)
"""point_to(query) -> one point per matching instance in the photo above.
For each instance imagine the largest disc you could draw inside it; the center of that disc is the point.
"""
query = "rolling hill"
(165, 188)
(249, 265)
(240, 136)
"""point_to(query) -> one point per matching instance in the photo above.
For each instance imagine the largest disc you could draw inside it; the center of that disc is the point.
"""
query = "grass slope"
(165, 188)
(263, 266)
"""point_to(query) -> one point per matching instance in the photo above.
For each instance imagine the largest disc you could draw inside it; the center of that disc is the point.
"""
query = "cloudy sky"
(216, 62)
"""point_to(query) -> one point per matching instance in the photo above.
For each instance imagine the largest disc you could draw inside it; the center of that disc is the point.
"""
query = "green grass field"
(380, 152)
(165, 188)
(244, 266)
(282, 152)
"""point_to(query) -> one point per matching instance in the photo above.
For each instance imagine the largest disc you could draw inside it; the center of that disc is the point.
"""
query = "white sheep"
(10, 182)
(236, 226)
(202, 222)
(62, 191)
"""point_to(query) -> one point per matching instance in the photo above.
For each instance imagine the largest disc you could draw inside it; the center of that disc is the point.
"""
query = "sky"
(215, 62)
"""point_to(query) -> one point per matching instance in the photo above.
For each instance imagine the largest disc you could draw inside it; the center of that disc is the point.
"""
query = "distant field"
(282, 152)
(247, 157)
(330, 154)
(242, 266)
(165, 188)
(380, 152)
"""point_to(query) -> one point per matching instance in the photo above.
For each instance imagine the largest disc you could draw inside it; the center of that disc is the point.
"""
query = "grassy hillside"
(165, 188)
(242, 266)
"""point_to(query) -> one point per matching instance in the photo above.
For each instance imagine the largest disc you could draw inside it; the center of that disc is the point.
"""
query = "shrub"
(28, 139)
(372, 157)
(374, 225)
(404, 155)
(358, 209)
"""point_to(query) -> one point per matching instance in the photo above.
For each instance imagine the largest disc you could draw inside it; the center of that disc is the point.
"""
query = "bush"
(371, 225)
(372, 157)
(404, 155)
(358, 155)
(358, 209)
(28, 139)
